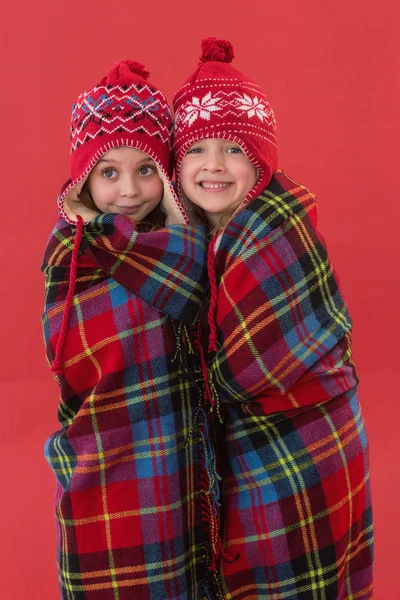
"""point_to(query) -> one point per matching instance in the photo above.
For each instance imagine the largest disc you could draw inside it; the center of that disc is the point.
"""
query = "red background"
(331, 70)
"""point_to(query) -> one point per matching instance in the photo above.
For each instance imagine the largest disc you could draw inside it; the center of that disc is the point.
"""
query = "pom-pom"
(122, 72)
(137, 68)
(216, 49)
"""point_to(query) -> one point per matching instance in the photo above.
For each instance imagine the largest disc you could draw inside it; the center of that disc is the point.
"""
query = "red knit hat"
(218, 101)
(124, 109)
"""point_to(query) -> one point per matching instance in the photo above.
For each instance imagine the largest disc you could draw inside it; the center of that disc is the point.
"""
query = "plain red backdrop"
(331, 70)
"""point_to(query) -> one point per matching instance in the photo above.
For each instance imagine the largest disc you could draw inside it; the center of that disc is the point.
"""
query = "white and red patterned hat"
(218, 101)
(124, 109)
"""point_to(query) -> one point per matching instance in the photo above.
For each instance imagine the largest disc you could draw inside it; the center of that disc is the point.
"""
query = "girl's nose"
(214, 162)
(129, 187)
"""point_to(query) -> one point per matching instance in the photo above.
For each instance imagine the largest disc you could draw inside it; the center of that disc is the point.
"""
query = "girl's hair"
(198, 217)
(155, 219)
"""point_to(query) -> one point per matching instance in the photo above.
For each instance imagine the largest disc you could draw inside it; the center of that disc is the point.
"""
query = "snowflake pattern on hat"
(254, 107)
(201, 108)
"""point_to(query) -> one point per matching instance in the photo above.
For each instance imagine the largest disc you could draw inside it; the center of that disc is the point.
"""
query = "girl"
(136, 492)
(294, 461)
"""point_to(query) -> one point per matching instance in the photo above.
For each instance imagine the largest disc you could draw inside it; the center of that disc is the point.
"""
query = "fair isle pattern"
(232, 106)
(106, 110)
(128, 459)
(222, 110)
(296, 490)
(219, 84)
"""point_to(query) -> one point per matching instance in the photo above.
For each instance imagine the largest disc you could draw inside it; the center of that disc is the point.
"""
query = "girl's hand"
(73, 206)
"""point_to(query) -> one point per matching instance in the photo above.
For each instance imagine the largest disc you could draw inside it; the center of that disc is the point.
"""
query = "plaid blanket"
(132, 481)
(296, 493)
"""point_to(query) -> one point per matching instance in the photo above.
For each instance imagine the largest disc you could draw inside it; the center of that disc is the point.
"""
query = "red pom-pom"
(122, 72)
(216, 49)
(137, 68)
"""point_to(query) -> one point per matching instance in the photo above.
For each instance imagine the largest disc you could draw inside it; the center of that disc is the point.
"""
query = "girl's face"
(125, 181)
(216, 175)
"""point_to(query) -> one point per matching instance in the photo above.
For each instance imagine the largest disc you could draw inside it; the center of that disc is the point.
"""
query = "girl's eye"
(146, 170)
(194, 151)
(234, 150)
(109, 173)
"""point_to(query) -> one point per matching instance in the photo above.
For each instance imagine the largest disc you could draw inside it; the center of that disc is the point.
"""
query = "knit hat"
(124, 109)
(220, 102)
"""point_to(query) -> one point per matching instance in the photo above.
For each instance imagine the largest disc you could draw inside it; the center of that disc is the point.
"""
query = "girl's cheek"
(159, 188)
(187, 176)
(155, 191)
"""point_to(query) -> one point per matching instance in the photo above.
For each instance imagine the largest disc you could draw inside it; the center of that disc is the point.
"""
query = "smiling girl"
(217, 190)
(294, 452)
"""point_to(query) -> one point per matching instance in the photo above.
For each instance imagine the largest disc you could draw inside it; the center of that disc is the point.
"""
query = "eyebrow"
(114, 162)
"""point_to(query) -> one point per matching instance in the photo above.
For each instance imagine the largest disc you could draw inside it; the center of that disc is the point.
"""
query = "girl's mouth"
(208, 185)
(128, 210)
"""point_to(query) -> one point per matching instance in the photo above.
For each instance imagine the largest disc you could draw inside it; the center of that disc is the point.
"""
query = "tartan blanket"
(296, 493)
(129, 456)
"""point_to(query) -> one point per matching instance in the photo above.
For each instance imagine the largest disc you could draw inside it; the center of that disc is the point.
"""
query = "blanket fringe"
(204, 418)
(184, 347)
(211, 504)
(209, 396)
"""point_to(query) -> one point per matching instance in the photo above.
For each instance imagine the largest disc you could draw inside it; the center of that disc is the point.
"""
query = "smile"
(213, 186)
